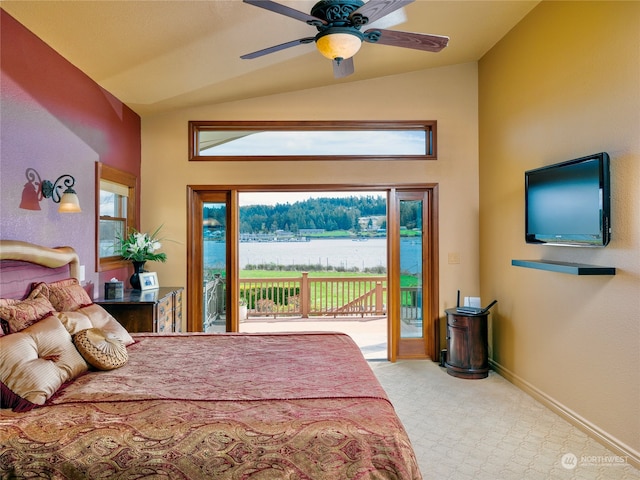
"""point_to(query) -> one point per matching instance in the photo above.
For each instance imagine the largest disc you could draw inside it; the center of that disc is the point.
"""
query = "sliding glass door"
(210, 250)
(214, 265)
(411, 305)
(413, 292)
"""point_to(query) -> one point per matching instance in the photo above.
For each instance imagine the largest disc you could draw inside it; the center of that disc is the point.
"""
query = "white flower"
(140, 247)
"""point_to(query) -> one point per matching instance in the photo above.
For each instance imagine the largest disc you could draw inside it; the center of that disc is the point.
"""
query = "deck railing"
(321, 296)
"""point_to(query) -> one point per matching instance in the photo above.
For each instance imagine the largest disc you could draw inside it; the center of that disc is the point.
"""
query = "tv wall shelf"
(565, 267)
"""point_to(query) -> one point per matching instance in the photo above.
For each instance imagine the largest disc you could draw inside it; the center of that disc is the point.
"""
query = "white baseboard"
(602, 437)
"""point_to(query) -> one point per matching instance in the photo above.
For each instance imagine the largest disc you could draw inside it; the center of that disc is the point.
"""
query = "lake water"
(334, 253)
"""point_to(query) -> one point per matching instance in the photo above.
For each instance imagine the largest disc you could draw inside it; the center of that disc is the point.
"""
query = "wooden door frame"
(429, 344)
(197, 195)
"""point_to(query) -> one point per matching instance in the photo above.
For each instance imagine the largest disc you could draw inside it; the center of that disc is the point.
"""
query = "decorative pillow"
(74, 322)
(19, 314)
(94, 316)
(35, 362)
(101, 349)
(68, 295)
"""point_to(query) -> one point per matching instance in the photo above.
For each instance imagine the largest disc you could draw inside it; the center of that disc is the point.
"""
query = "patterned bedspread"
(232, 406)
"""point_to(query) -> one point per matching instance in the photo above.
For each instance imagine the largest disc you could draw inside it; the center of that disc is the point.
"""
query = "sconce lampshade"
(69, 202)
(339, 44)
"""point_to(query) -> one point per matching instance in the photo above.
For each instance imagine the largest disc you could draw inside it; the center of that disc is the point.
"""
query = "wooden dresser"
(157, 310)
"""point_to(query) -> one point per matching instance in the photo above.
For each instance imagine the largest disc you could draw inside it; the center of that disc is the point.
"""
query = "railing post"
(378, 297)
(305, 295)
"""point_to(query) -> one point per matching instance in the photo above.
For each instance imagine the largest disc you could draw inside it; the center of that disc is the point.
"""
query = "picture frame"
(149, 281)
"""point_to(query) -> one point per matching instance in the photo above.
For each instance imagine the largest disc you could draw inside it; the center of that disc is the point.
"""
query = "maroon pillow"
(10, 399)
(68, 295)
(20, 314)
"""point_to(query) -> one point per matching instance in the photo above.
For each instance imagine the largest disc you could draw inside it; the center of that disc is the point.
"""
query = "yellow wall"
(448, 95)
(563, 84)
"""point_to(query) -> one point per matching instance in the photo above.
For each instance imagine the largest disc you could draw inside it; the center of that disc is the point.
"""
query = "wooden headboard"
(22, 264)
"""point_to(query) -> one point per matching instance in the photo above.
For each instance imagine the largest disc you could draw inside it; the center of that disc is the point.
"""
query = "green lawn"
(405, 280)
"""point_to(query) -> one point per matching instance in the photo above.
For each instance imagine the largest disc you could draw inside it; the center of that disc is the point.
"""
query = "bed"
(185, 406)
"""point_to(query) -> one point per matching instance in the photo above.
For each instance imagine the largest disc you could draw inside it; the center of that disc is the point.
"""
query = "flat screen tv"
(568, 203)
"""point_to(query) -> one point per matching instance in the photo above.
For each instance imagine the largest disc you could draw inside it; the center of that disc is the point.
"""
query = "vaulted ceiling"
(161, 55)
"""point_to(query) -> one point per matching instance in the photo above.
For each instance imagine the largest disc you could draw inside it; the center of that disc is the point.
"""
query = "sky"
(319, 142)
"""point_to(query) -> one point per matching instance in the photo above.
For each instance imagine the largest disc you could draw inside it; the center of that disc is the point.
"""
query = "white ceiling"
(161, 55)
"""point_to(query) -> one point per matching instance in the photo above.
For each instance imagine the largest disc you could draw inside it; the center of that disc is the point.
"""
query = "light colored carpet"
(489, 429)
(462, 429)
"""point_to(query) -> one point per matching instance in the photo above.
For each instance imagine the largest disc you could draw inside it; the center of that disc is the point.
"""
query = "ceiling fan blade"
(277, 48)
(284, 10)
(344, 68)
(375, 9)
(417, 41)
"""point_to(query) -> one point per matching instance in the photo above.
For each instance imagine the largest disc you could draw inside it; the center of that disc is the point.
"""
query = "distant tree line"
(324, 213)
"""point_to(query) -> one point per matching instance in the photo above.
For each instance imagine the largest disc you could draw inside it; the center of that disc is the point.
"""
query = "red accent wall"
(58, 121)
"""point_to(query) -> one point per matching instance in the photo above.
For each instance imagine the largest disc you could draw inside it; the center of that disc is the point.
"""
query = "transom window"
(210, 141)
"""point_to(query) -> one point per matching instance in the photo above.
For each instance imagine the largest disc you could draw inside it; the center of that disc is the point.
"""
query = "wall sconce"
(36, 189)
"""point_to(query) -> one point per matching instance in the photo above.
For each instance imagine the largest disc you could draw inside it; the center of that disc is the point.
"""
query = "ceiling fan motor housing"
(337, 13)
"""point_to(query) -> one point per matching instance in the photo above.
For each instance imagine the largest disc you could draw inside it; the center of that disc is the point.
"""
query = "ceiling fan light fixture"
(341, 44)
(339, 22)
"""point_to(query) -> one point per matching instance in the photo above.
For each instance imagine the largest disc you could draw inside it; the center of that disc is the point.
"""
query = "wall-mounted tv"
(568, 203)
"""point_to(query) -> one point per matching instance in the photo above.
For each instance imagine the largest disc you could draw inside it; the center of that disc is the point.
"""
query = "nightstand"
(158, 310)
(467, 344)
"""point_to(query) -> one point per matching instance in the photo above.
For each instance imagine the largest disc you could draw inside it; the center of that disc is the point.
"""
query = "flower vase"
(138, 268)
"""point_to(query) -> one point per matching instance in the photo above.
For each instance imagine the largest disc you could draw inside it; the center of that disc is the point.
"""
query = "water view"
(340, 253)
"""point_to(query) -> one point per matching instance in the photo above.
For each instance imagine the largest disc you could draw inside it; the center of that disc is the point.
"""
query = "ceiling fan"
(339, 37)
